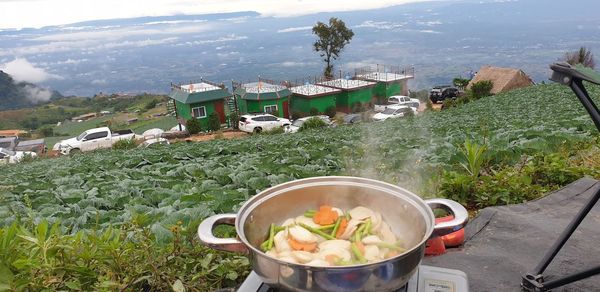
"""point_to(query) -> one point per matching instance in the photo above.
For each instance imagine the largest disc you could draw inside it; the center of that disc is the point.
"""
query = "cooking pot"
(410, 218)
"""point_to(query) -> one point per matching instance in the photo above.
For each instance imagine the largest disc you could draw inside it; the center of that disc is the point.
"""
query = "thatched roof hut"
(504, 79)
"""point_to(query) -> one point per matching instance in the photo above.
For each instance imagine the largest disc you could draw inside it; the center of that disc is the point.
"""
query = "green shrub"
(46, 131)
(150, 105)
(274, 131)
(234, 119)
(131, 257)
(214, 123)
(193, 126)
(313, 123)
(124, 144)
(481, 89)
(297, 115)
(313, 111)
(331, 111)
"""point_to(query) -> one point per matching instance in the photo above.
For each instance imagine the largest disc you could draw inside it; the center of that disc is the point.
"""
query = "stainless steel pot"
(410, 218)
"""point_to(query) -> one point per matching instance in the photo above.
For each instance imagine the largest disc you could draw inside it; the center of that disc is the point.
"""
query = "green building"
(309, 96)
(262, 97)
(199, 100)
(353, 93)
(388, 84)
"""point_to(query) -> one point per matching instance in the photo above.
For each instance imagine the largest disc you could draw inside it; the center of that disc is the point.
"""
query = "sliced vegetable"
(389, 246)
(342, 228)
(357, 253)
(325, 216)
(310, 213)
(301, 246)
(336, 226)
(317, 231)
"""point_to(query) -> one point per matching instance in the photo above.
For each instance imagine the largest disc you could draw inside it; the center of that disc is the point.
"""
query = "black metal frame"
(566, 74)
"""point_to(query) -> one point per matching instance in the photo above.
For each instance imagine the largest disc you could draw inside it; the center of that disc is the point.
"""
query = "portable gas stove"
(426, 279)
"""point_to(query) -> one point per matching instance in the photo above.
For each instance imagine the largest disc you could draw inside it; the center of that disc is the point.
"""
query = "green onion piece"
(317, 231)
(361, 259)
(271, 236)
(336, 226)
(358, 232)
(367, 228)
(279, 228)
(347, 216)
(263, 246)
(310, 213)
(390, 246)
(326, 226)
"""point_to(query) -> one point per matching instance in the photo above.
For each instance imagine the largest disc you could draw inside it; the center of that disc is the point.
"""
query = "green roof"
(266, 91)
(199, 96)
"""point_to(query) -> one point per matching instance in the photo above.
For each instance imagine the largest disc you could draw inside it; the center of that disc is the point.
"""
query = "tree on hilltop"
(331, 40)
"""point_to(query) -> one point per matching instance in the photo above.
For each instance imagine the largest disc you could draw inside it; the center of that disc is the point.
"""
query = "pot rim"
(274, 191)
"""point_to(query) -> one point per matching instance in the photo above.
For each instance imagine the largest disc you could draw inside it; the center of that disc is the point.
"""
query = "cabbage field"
(156, 191)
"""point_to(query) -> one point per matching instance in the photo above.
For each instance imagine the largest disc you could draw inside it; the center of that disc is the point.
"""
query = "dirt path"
(224, 135)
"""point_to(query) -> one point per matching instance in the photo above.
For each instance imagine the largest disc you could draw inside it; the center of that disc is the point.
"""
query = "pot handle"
(461, 216)
(205, 233)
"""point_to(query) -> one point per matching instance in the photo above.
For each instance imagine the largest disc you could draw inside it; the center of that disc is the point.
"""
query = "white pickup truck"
(398, 100)
(93, 139)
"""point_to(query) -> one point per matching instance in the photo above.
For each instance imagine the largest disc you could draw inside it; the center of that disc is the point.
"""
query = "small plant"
(481, 89)
(331, 111)
(234, 119)
(274, 131)
(46, 131)
(124, 144)
(150, 105)
(193, 126)
(474, 155)
(297, 115)
(313, 111)
(313, 123)
(214, 123)
(428, 105)
(461, 82)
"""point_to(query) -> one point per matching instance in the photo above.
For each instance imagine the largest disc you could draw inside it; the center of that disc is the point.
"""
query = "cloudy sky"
(39, 13)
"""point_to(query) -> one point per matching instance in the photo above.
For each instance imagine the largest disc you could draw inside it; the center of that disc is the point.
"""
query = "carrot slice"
(331, 259)
(302, 246)
(325, 216)
(342, 228)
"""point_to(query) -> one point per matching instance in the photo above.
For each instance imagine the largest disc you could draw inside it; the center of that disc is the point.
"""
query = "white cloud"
(227, 38)
(293, 29)
(114, 34)
(37, 94)
(36, 13)
(296, 64)
(99, 81)
(21, 70)
(382, 25)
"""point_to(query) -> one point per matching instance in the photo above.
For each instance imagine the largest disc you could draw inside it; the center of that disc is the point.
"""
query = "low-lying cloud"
(293, 29)
(36, 94)
(22, 70)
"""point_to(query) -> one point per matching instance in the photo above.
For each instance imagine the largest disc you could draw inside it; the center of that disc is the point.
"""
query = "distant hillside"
(15, 95)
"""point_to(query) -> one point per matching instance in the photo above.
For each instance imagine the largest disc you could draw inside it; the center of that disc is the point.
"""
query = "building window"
(270, 108)
(199, 112)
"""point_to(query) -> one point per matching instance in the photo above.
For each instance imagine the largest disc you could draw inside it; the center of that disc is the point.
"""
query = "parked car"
(394, 111)
(440, 93)
(296, 124)
(256, 123)
(352, 118)
(398, 100)
(93, 139)
(8, 156)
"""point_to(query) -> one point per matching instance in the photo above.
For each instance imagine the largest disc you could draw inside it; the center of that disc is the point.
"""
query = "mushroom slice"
(360, 213)
(303, 256)
(352, 225)
(335, 243)
(281, 243)
(318, 263)
(372, 253)
(386, 233)
(371, 239)
(288, 222)
(302, 235)
(340, 253)
(338, 210)
(376, 222)
(307, 221)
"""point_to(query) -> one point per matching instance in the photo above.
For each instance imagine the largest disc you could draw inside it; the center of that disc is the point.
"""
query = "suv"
(256, 123)
(440, 93)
